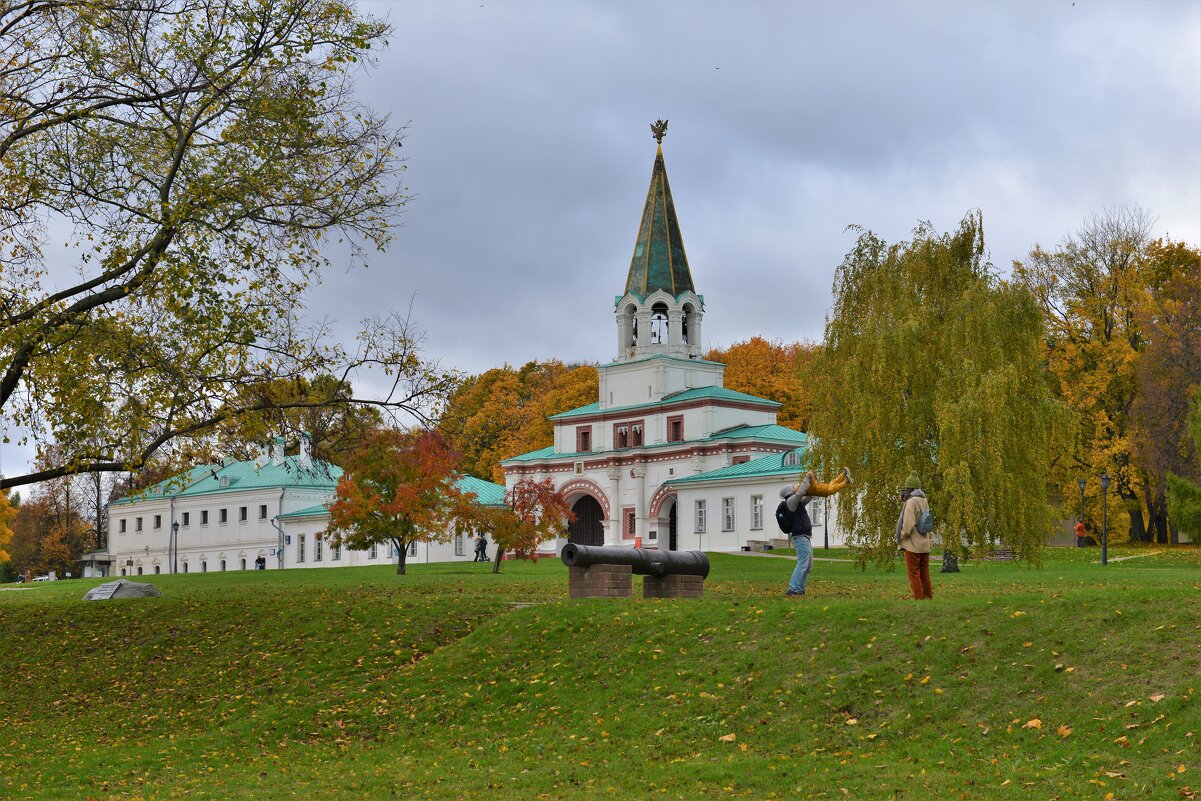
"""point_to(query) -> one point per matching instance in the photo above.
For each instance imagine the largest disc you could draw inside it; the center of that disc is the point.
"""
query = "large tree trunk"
(1158, 508)
(1138, 528)
(500, 552)
(402, 549)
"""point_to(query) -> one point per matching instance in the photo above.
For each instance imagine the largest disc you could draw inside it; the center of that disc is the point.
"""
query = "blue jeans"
(804, 561)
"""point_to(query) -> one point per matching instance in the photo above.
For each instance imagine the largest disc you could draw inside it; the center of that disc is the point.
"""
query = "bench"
(757, 545)
(1000, 554)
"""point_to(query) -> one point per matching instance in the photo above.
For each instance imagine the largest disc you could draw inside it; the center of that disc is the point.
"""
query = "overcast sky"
(529, 151)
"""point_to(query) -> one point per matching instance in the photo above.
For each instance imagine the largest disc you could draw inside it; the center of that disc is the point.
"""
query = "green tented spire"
(659, 260)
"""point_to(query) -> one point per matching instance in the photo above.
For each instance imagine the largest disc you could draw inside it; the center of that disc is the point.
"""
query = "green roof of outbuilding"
(659, 261)
(764, 467)
(242, 476)
(312, 511)
(699, 393)
(486, 493)
(770, 431)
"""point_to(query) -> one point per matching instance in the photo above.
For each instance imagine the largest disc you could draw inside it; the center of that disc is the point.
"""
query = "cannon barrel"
(642, 561)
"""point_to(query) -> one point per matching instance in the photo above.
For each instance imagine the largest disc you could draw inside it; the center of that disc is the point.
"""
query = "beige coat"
(911, 539)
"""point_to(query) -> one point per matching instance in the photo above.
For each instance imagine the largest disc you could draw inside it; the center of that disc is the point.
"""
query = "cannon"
(642, 561)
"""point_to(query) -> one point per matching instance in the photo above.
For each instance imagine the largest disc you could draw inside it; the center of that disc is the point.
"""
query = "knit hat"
(787, 490)
(913, 482)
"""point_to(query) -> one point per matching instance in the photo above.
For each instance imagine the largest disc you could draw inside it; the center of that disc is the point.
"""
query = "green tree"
(200, 154)
(931, 363)
(399, 488)
(1184, 495)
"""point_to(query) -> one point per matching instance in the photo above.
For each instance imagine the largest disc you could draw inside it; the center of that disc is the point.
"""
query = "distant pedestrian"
(914, 544)
(481, 548)
(1080, 534)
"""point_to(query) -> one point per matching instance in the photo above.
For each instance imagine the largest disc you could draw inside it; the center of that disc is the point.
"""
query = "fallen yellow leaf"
(1033, 723)
(1064, 731)
(728, 738)
(1157, 697)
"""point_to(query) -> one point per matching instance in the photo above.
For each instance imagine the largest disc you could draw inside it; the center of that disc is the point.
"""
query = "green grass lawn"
(1068, 681)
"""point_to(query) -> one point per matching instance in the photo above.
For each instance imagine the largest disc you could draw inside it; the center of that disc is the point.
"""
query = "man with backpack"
(793, 520)
(913, 536)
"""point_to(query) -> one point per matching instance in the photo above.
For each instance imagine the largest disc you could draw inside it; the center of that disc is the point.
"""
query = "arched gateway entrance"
(588, 527)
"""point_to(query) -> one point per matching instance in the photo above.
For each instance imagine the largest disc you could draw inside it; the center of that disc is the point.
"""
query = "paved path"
(1124, 558)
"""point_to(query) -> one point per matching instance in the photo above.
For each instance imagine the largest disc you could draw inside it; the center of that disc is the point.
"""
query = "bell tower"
(660, 312)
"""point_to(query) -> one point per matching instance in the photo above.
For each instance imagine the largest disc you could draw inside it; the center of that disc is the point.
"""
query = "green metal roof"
(699, 393)
(486, 494)
(764, 467)
(769, 431)
(241, 476)
(659, 261)
(666, 356)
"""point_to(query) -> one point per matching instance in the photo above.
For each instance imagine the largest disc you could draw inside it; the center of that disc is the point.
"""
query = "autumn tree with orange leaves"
(505, 412)
(534, 512)
(399, 487)
(1113, 301)
(774, 370)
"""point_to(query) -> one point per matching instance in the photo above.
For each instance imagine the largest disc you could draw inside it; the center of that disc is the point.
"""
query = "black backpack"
(784, 517)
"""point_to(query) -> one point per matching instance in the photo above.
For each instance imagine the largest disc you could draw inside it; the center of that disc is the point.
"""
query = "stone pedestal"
(599, 581)
(673, 587)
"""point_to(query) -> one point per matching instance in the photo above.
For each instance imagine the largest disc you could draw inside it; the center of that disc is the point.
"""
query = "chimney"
(277, 452)
(306, 451)
(262, 458)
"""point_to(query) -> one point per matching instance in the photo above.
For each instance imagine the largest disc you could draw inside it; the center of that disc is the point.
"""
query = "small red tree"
(399, 487)
(536, 513)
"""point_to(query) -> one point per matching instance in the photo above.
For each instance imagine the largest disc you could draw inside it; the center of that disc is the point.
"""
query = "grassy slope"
(444, 684)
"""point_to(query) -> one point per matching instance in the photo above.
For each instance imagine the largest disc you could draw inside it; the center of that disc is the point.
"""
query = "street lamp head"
(1080, 482)
(175, 526)
(1105, 481)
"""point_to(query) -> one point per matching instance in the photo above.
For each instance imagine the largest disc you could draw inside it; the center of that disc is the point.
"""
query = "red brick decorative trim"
(584, 486)
(658, 499)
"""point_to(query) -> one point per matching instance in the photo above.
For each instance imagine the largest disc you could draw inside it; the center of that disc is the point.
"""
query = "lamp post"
(1104, 519)
(1080, 483)
(174, 543)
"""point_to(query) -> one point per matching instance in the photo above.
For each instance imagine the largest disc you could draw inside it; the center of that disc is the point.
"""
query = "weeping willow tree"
(932, 363)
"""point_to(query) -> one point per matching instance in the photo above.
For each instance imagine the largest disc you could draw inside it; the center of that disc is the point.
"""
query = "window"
(373, 553)
(204, 517)
(636, 432)
(243, 564)
(262, 511)
(242, 514)
(627, 434)
(121, 525)
(204, 566)
(459, 538)
(741, 459)
(300, 548)
(157, 569)
(792, 459)
(158, 521)
(727, 514)
(318, 549)
(675, 428)
(628, 523)
(335, 551)
(185, 568)
(222, 565)
(700, 517)
(413, 548)
(817, 512)
(187, 518)
(223, 516)
(756, 512)
(139, 570)
(583, 439)
(621, 436)
(137, 524)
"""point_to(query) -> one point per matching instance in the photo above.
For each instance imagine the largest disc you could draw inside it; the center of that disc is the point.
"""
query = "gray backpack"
(925, 523)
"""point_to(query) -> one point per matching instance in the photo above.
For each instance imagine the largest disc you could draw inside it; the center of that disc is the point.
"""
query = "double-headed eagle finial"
(659, 129)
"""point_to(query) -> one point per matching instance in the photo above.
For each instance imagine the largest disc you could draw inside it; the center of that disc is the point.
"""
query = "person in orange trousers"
(914, 544)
